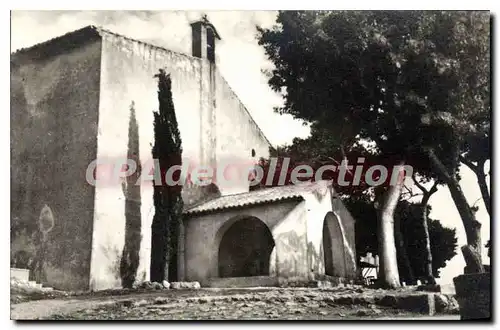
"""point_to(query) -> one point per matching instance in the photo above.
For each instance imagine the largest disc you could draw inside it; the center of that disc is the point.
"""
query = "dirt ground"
(214, 304)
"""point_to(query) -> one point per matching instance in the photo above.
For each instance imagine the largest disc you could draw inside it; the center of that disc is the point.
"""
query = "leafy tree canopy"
(406, 80)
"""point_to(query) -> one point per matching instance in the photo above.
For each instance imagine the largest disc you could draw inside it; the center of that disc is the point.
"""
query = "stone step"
(35, 285)
(20, 274)
(20, 277)
(243, 282)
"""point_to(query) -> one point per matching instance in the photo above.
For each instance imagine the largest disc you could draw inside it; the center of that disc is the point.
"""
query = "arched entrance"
(245, 249)
(333, 246)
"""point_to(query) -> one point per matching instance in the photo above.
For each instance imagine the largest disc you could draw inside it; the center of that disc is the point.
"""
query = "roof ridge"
(99, 29)
(292, 191)
(104, 30)
(247, 111)
(54, 39)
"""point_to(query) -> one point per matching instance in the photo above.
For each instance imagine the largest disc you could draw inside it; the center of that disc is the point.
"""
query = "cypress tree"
(130, 257)
(167, 199)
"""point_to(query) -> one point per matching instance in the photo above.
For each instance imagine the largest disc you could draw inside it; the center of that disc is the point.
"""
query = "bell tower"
(204, 39)
(204, 36)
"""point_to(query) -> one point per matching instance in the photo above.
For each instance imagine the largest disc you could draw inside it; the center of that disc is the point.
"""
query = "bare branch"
(406, 195)
(408, 189)
(468, 163)
(418, 184)
(477, 200)
(342, 150)
(339, 164)
(409, 193)
(433, 188)
(332, 159)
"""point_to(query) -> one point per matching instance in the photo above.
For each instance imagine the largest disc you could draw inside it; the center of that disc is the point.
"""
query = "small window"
(253, 152)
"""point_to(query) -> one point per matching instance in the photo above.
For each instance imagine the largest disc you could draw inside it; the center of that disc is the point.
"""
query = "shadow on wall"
(193, 194)
(316, 259)
(132, 192)
(25, 236)
(51, 148)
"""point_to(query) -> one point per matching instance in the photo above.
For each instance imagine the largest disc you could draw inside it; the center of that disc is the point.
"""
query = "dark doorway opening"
(327, 249)
(245, 249)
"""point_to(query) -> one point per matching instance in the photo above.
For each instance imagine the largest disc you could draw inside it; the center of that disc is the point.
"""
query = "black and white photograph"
(320, 165)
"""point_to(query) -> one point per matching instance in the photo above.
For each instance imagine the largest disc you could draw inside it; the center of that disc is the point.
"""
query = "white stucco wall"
(127, 77)
(320, 204)
(285, 220)
(297, 230)
(237, 134)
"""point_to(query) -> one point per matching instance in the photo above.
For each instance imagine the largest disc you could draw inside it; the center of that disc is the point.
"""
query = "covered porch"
(262, 237)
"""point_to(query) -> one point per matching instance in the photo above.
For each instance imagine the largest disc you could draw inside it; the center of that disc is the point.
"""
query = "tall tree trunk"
(429, 274)
(172, 275)
(386, 204)
(471, 252)
(159, 246)
(168, 250)
(481, 180)
(407, 275)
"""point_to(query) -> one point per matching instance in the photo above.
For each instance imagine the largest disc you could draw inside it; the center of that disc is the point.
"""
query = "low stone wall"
(273, 281)
(243, 282)
(474, 295)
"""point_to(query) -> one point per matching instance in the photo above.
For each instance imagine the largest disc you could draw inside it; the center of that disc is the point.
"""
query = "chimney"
(204, 35)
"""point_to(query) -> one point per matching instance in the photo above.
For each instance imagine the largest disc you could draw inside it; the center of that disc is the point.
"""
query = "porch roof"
(261, 196)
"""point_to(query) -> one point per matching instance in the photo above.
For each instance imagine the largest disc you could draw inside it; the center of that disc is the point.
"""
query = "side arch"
(333, 246)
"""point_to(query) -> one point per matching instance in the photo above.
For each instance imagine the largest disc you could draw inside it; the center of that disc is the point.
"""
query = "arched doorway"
(333, 246)
(245, 249)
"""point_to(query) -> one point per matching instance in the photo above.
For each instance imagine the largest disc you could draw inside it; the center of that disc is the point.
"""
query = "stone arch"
(333, 246)
(244, 246)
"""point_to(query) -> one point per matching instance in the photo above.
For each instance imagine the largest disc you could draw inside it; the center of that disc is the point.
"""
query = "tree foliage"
(415, 83)
(374, 75)
(443, 241)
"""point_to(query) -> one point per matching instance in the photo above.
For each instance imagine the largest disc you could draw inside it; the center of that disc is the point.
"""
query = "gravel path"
(215, 304)
(33, 310)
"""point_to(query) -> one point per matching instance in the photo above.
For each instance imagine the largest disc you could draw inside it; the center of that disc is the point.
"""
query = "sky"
(241, 61)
